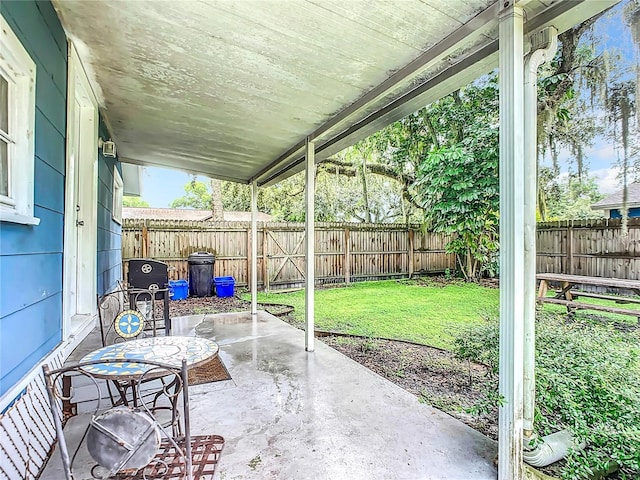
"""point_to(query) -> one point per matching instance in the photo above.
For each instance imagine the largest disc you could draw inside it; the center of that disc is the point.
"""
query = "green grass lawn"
(405, 309)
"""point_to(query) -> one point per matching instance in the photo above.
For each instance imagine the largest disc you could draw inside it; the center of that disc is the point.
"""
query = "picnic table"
(566, 295)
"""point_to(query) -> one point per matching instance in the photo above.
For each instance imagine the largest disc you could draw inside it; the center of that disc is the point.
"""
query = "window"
(118, 191)
(17, 118)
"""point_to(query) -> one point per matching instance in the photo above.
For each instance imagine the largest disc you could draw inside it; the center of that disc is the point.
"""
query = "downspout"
(543, 48)
(551, 448)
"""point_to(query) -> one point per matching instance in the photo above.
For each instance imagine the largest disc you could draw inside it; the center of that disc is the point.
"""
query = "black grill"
(148, 274)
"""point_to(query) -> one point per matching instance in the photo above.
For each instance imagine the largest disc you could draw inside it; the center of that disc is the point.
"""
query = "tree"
(128, 201)
(197, 196)
(338, 198)
(457, 182)
(444, 161)
(571, 197)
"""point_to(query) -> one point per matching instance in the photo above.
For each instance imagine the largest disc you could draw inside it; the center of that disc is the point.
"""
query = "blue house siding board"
(31, 256)
(109, 254)
(105, 167)
(105, 200)
(109, 278)
(19, 239)
(51, 198)
(27, 21)
(104, 217)
(33, 278)
(51, 104)
(108, 240)
(49, 143)
(55, 28)
(27, 336)
(109, 258)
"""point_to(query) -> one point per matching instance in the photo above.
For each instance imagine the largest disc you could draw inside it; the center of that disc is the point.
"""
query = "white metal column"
(310, 277)
(254, 248)
(511, 240)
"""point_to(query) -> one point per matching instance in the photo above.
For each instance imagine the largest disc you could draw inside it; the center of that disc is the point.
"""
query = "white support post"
(310, 189)
(511, 240)
(254, 248)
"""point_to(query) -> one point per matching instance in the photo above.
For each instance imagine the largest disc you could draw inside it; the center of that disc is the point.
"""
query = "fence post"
(248, 257)
(145, 240)
(410, 252)
(347, 255)
(265, 256)
(570, 266)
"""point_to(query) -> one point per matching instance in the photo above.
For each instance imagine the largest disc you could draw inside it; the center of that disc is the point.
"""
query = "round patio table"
(168, 350)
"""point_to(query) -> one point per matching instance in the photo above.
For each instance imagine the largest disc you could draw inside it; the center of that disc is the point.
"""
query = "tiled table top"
(168, 350)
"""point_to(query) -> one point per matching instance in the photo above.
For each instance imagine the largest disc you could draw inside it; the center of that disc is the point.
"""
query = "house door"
(80, 235)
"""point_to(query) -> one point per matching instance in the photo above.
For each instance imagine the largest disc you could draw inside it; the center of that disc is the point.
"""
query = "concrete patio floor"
(290, 414)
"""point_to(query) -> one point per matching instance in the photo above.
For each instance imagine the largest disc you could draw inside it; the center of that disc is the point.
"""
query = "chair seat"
(168, 464)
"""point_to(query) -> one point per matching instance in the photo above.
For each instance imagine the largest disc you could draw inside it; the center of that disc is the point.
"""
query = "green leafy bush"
(587, 380)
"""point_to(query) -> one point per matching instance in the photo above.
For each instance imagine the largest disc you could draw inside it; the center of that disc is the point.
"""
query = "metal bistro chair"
(125, 442)
(127, 314)
(130, 312)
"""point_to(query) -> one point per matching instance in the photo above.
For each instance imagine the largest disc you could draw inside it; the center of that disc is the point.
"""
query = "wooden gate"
(285, 264)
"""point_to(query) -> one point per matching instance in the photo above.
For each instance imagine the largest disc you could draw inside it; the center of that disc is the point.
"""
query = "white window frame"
(17, 67)
(118, 192)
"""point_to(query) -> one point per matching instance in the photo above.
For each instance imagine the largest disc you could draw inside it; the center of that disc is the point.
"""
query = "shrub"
(587, 380)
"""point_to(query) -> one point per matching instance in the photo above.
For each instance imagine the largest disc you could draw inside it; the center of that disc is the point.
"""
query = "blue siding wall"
(31, 257)
(633, 213)
(109, 232)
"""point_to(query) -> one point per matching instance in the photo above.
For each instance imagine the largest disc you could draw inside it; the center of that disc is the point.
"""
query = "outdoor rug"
(212, 371)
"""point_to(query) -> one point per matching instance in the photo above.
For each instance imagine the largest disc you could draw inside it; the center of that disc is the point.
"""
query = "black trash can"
(201, 274)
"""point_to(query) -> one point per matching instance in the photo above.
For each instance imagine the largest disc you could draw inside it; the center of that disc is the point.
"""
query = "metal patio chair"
(130, 313)
(126, 442)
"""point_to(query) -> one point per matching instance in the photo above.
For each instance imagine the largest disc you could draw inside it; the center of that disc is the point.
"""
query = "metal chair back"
(127, 442)
(129, 313)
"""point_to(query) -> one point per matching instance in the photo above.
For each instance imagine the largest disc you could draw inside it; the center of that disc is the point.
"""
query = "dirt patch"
(204, 305)
(435, 376)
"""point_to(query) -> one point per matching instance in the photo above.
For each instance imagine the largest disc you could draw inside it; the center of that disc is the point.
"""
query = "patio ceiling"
(232, 89)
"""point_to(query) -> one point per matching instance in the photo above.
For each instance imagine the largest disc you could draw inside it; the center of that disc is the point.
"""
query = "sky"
(160, 186)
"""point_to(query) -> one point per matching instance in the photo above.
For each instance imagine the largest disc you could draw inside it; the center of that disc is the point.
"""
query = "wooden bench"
(566, 295)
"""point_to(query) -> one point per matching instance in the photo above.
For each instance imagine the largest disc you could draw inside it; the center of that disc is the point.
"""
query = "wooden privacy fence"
(345, 252)
(348, 252)
(593, 248)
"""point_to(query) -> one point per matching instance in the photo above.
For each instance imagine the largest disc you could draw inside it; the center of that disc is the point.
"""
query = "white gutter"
(549, 449)
(543, 48)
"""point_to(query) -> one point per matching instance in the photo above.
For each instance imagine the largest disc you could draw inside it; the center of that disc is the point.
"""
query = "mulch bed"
(433, 375)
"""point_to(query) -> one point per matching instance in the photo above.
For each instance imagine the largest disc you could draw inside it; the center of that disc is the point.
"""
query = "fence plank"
(347, 252)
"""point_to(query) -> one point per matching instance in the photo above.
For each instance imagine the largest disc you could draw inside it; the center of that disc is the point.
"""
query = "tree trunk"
(365, 192)
(217, 211)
